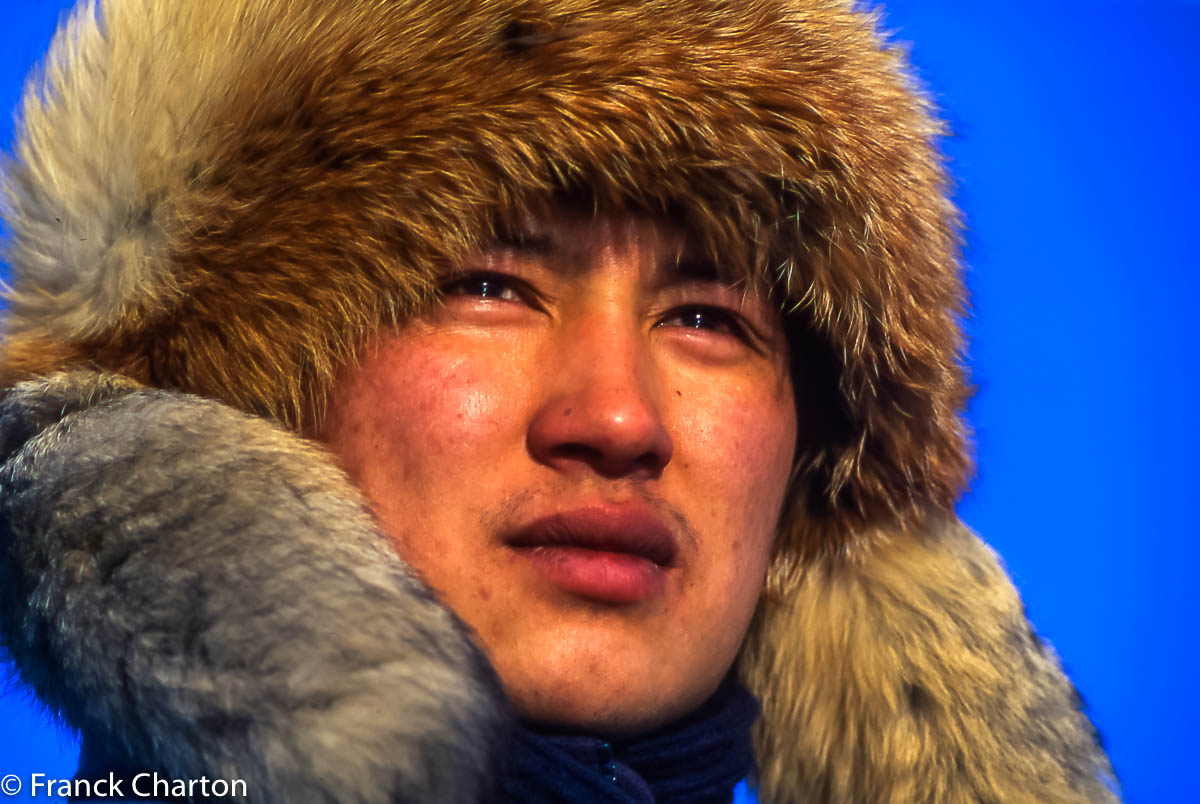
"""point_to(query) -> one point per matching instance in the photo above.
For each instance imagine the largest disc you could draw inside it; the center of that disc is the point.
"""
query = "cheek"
(742, 441)
(737, 447)
(415, 415)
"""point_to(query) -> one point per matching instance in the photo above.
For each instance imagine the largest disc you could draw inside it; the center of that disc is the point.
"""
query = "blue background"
(1075, 150)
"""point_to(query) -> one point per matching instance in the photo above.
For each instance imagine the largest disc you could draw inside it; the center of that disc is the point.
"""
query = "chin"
(601, 715)
(602, 696)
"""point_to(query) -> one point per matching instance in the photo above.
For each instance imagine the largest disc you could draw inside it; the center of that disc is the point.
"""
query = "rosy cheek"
(739, 448)
(432, 400)
(744, 441)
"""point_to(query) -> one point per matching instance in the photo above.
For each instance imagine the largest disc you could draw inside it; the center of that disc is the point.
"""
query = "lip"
(616, 555)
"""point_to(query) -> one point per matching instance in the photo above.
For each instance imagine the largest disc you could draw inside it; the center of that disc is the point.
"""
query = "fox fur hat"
(227, 197)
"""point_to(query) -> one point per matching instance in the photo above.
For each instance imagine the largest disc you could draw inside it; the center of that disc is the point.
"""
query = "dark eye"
(716, 319)
(484, 286)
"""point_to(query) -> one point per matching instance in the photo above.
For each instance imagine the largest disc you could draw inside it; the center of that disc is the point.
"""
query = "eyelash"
(726, 320)
(480, 284)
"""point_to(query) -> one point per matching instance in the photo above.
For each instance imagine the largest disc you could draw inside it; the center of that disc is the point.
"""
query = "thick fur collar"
(202, 594)
(912, 675)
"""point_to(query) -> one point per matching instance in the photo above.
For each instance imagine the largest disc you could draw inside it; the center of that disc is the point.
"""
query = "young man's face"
(584, 452)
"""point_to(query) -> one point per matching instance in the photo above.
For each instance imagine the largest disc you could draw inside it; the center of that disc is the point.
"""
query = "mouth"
(614, 555)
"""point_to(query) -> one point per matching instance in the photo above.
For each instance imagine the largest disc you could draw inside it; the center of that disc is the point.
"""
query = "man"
(596, 356)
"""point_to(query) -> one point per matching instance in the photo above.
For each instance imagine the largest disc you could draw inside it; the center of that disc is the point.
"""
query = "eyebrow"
(524, 240)
(689, 265)
(695, 267)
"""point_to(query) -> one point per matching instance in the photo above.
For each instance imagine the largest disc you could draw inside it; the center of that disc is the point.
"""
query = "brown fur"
(227, 196)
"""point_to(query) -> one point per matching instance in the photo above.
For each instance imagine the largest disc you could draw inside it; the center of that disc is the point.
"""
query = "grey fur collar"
(204, 594)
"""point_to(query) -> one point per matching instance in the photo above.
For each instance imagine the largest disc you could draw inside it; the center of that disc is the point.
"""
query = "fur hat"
(226, 197)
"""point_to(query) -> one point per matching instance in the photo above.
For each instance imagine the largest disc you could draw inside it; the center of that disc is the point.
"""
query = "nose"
(600, 412)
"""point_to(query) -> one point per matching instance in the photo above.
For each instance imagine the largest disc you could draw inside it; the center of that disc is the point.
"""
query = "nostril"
(609, 463)
(577, 452)
(651, 462)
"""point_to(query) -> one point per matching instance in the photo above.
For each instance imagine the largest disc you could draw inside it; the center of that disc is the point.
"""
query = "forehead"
(574, 238)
